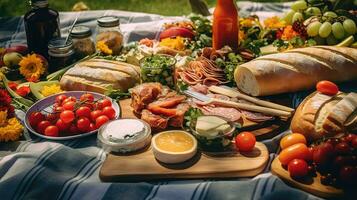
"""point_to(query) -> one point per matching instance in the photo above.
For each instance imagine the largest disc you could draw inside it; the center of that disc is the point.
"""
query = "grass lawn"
(163, 7)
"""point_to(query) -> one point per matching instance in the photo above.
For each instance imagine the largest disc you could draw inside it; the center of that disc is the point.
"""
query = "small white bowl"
(171, 157)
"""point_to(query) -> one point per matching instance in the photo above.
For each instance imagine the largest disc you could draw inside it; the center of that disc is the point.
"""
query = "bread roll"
(297, 69)
(322, 115)
(98, 75)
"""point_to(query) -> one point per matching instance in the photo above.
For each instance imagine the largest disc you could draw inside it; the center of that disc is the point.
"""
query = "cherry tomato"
(87, 97)
(51, 131)
(299, 151)
(83, 124)
(52, 117)
(291, 139)
(101, 120)
(62, 127)
(73, 130)
(104, 103)
(60, 98)
(298, 168)
(68, 99)
(109, 112)
(69, 105)
(83, 111)
(245, 141)
(67, 116)
(327, 87)
(92, 127)
(35, 118)
(59, 109)
(42, 126)
(95, 114)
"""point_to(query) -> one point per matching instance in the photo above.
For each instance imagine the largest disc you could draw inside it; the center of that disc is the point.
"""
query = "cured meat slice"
(203, 89)
(231, 114)
(155, 121)
(144, 94)
(177, 120)
(256, 117)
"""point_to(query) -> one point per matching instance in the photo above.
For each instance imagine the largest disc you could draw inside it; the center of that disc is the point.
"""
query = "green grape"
(349, 26)
(297, 17)
(299, 5)
(319, 40)
(325, 29)
(289, 17)
(338, 31)
(331, 40)
(313, 11)
(330, 14)
(313, 28)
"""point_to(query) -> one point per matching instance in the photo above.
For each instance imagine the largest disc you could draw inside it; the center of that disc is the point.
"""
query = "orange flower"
(274, 23)
(32, 67)
(289, 33)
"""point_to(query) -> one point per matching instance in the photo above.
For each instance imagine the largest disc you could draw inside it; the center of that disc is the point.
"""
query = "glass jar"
(109, 32)
(83, 44)
(60, 54)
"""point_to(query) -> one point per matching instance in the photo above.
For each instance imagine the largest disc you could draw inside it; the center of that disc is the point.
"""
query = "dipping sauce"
(174, 141)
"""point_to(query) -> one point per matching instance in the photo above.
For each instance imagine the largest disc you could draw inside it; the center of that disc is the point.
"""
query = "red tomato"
(83, 111)
(95, 114)
(298, 168)
(73, 130)
(68, 99)
(101, 120)
(83, 124)
(87, 97)
(245, 141)
(59, 109)
(67, 116)
(35, 118)
(327, 87)
(104, 103)
(60, 98)
(69, 105)
(62, 126)
(51, 131)
(109, 112)
(92, 127)
(42, 126)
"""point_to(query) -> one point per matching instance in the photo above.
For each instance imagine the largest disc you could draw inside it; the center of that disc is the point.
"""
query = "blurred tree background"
(162, 7)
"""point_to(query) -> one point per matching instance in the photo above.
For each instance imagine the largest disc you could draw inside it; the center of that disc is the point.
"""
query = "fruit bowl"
(46, 106)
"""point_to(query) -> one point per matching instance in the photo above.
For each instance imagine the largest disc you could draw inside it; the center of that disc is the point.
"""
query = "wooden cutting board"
(311, 185)
(262, 130)
(142, 166)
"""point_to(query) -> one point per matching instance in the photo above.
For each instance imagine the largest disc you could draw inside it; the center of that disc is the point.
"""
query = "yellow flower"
(3, 117)
(288, 33)
(12, 131)
(177, 43)
(246, 22)
(48, 90)
(31, 67)
(102, 47)
(274, 23)
(241, 35)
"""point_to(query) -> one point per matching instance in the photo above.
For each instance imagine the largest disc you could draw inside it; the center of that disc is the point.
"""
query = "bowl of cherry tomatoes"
(70, 115)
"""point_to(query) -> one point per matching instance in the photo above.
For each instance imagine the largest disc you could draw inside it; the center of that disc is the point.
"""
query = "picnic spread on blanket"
(256, 101)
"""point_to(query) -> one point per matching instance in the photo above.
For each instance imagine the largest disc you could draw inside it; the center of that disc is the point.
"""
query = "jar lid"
(108, 21)
(81, 32)
(124, 135)
(60, 46)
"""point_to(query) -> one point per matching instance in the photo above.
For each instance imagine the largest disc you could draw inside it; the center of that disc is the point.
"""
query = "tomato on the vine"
(92, 127)
(327, 87)
(103, 103)
(87, 97)
(35, 118)
(298, 168)
(73, 130)
(99, 121)
(42, 126)
(109, 112)
(67, 116)
(245, 141)
(51, 131)
(62, 126)
(69, 105)
(83, 111)
(69, 99)
(60, 98)
(83, 124)
(95, 114)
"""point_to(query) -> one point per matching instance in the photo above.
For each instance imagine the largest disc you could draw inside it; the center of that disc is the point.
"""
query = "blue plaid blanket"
(41, 169)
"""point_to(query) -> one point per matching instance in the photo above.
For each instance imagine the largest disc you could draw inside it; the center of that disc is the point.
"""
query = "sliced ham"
(256, 117)
(231, 114)
(203, 89)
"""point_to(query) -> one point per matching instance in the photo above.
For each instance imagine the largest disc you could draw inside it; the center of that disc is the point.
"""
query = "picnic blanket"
(41, 169)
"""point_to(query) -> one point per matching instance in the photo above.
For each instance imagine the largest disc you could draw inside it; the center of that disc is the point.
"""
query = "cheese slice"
(211, 125)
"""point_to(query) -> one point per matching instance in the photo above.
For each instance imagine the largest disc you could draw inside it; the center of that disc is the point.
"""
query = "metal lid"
(124, 135)
(59, 46)
(80, 32)
(108, 21)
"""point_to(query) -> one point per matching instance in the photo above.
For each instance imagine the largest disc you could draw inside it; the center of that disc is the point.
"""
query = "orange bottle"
(225, 25)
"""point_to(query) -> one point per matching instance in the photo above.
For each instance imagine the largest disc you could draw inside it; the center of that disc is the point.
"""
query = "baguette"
(297, 69)
(98, 75)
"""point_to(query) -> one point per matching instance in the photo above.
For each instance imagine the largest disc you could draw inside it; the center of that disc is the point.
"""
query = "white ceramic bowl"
(170, 157)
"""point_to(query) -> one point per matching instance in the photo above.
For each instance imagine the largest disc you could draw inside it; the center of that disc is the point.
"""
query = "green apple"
(12, 59)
